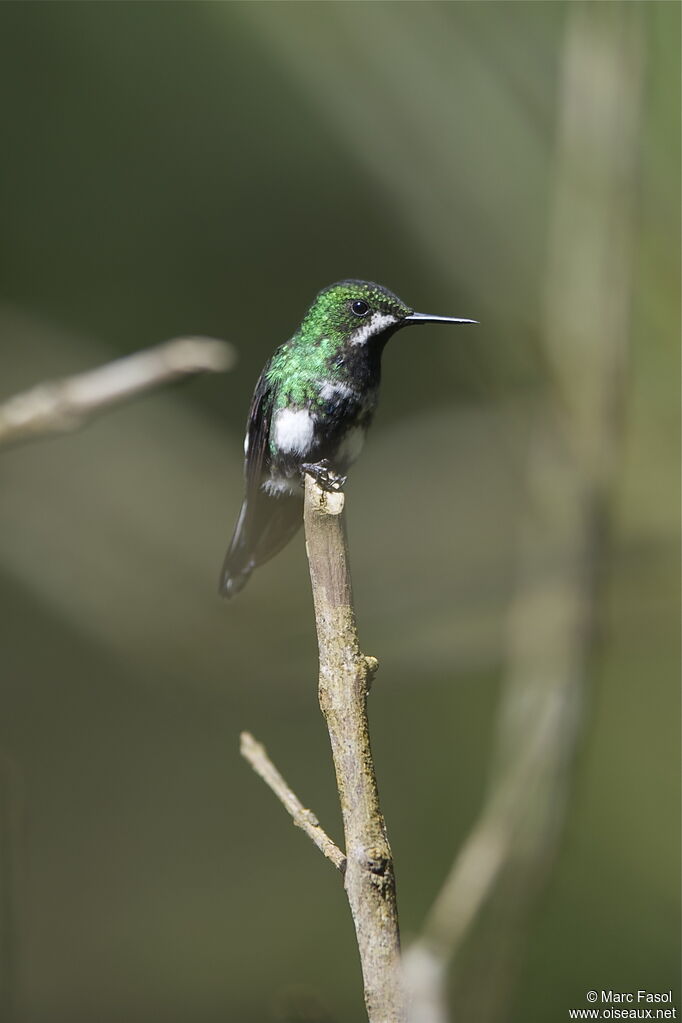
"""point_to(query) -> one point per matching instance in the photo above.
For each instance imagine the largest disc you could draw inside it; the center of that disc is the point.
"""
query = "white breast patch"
(293, 430)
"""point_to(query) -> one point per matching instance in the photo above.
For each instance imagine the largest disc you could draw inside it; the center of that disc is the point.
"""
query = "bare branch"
(62, 405)
(345, 677)
(257, 756)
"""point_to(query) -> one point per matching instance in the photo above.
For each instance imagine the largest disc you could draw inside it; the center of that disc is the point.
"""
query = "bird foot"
(324, 476)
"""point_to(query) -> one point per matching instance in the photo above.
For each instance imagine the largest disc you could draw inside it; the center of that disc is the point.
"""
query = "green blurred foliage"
(205, 168)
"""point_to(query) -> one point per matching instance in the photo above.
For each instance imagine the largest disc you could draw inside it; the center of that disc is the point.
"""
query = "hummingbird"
(310, 411)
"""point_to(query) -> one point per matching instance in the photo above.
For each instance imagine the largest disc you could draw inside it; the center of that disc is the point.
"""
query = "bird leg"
(324, 475)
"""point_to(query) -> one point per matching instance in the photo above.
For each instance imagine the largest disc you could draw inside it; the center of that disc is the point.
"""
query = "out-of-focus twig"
(61, 405)
(572, 454)
(303, 818)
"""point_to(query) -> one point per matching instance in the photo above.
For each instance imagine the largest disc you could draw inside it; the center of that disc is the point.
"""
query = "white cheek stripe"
(294, 430)
(374, 325)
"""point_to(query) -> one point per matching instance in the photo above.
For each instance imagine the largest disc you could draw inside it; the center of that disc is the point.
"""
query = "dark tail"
(265, 525)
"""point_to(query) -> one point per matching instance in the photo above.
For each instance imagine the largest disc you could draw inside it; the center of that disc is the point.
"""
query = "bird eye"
(359, 307)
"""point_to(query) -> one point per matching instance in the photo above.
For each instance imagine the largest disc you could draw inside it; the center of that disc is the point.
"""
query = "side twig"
(303, 818)
(345, 678)
(63, 405)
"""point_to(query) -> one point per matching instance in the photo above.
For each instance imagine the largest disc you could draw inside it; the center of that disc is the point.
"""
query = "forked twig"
(344, 681)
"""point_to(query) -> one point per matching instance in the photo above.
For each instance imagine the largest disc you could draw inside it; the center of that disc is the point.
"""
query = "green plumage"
(310, 357)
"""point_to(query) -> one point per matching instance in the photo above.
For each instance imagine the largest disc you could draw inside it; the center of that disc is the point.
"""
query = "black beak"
(425, 318)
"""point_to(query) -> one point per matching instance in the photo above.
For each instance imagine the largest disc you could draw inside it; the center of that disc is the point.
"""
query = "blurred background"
(206, 168)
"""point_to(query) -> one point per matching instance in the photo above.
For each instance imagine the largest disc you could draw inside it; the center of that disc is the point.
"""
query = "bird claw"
(324, 476)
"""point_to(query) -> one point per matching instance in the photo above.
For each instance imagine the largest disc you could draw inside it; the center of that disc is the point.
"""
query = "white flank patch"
(351, 445)
(278, 486)
(374, 325)
(294, 430)
(331, 390)
(246, 445)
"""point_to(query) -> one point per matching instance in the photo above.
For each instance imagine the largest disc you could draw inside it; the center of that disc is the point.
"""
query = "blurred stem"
(572, 454)
(344, 681)
(62, 405)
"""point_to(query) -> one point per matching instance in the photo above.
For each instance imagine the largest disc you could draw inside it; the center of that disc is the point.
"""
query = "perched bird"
(310, 411)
